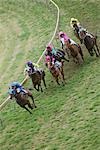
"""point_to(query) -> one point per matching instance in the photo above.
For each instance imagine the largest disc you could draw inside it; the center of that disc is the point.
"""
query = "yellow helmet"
(74, 20)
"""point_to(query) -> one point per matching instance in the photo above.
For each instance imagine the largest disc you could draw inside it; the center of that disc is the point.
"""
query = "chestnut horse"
(22, 100)
(75, 51)
(57, 72)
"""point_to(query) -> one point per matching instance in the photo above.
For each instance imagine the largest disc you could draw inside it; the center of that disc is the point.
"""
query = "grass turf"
(67, 118)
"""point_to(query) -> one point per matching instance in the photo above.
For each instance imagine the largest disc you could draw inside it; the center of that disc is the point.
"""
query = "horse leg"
(43, 79)
(36, 88)
(27, 109)
(75, 60)
(97, 48)
(41, 88)
(79, 58)
(68, 53)
(65, 59)
(31, 96)
(57, 81)
(29, 105)
(62, 73)
(63, 79)
(81, 53)
(90, 52)
(95, 52)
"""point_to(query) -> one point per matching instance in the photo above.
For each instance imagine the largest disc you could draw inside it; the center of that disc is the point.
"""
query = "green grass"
(67, 117)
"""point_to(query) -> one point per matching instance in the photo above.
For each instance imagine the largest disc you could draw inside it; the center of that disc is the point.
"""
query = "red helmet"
(48, 58)
(49, 47)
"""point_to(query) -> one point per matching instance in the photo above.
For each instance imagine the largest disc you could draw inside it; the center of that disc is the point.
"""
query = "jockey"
(29, 64)
(64, 39)
(54, 62)
(49, 58)
(16, 87)
(31, 68)
(51, 50)
(75, 24)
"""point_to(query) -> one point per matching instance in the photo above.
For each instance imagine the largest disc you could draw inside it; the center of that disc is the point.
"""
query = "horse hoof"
(97, 55)
(91, 54)
(37, 90)
(30, 89)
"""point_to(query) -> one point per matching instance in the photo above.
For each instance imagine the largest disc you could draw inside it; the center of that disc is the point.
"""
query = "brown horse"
(90, 42)
(57, 72)
(22, 100)
(36, 78)
(76, 52)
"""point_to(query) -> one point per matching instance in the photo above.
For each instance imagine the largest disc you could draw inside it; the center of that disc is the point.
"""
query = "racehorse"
(36, 78)
(90, 42)
(76, 52)
(56, 71)
(22, 100)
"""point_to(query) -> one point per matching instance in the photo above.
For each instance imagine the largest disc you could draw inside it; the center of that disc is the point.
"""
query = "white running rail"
(57, 23)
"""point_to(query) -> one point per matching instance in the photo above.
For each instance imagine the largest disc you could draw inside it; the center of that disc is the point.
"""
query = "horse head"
(76, 27)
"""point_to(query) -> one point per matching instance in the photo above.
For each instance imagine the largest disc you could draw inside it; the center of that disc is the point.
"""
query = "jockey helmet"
(61, 34)
(48, 58)
(49, 47)
(73, 20)
(29, 63)
(13, 84)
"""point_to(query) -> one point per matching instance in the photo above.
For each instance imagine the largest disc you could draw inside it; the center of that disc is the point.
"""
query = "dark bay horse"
(37, 77)
(76, 52)
(22, 100)
(90, 42)
(60, 55)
